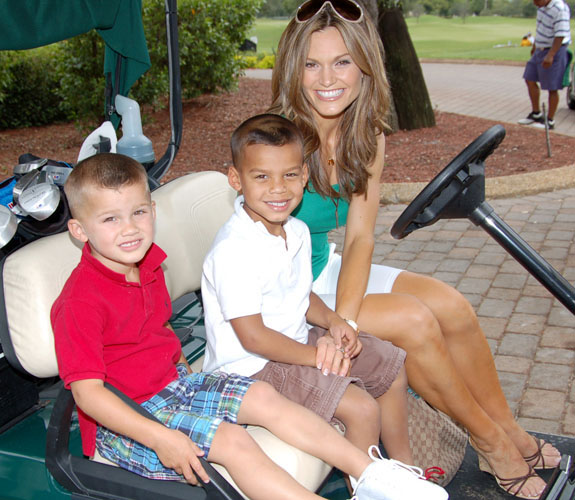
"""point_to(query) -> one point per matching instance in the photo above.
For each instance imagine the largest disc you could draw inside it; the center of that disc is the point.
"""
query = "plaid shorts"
(195, 404)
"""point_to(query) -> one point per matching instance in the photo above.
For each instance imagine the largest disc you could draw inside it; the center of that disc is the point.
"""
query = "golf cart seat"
(190, 210)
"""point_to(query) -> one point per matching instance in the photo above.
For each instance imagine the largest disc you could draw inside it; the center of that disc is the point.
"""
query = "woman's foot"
(536, 452)
(546, 456)
(511, 472)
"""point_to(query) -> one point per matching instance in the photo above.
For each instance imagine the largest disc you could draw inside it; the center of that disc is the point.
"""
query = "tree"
(410, 97)
(460, 8)
(417, 11)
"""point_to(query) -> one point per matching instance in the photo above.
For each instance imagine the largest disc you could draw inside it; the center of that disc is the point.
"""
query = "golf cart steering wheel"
(455, 190)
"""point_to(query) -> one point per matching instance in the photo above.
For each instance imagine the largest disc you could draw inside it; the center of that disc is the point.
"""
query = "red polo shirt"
(110, 329)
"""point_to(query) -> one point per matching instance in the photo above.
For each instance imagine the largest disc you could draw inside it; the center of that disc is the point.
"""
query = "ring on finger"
(342, 350)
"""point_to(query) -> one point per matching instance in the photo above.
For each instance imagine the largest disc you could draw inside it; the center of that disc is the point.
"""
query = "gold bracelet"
(353, 324)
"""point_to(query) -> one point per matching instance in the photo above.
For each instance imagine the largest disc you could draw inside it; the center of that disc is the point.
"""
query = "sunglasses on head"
(348, 10)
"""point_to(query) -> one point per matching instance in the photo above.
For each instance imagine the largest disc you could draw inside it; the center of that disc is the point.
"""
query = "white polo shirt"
(552, 22)
(249, 271)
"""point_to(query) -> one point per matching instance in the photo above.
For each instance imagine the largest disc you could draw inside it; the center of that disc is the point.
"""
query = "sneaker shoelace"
(375, 454)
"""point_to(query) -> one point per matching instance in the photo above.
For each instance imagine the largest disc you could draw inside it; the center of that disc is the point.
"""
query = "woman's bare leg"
(408, 323)
(394, 433)
(471, 354)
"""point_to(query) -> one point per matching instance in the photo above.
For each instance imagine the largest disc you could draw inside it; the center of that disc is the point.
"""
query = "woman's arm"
(359, 241)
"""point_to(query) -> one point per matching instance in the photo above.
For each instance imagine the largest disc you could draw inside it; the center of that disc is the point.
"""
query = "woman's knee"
(447, 305)
(421, 327)
(456, 314)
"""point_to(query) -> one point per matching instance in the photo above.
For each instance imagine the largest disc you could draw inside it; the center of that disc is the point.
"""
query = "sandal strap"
(510, 483)
(538, 455)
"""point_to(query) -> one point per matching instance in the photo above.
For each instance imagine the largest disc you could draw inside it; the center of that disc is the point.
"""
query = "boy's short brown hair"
(267, 129)
(104, 171)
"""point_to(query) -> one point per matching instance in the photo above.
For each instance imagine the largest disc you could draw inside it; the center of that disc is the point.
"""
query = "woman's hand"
(331, 359)
(345, 336)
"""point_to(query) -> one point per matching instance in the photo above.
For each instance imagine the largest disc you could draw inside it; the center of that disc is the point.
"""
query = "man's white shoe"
(385, 479)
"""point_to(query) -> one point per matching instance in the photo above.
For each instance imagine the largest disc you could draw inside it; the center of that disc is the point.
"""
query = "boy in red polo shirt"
(111, 325)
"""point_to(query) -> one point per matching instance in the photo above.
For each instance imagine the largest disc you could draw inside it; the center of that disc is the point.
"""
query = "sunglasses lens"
(308, 9)
(346, 9)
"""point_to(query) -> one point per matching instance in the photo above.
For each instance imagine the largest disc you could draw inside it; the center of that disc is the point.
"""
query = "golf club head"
(40, 201)
(30, 166)
(56, 175)
(25, 181)
(8, 225)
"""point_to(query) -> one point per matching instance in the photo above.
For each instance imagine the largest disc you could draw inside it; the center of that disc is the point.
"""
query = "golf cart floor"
(472, 484)
(469, 483)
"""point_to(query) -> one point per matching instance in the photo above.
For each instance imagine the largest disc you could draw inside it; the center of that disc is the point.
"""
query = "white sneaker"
(385, 479)
(533, 117)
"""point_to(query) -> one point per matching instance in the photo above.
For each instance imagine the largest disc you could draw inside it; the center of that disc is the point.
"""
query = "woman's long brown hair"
(361, 122)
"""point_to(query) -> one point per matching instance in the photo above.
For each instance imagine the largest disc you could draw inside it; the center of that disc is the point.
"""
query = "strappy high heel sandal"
(512, 485)
(537, 460)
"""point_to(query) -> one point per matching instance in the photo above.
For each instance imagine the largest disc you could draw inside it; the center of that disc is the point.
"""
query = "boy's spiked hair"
(104, 170)
(267, 129)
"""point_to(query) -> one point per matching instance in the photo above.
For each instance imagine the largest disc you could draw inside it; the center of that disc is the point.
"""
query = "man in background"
(548, 61)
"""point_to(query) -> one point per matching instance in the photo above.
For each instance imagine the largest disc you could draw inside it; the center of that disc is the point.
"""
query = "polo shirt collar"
(148, 265)
(550, 4)
(294, 242)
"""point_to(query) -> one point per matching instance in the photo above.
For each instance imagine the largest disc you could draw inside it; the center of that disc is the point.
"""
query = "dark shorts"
(549, 78)
(374, 370)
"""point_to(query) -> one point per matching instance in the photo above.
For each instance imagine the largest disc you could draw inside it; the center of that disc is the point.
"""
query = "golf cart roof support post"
(157, 171)
(111, 89)
(485, 217)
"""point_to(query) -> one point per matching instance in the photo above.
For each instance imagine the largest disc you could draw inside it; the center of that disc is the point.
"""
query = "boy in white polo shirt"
(256, 288)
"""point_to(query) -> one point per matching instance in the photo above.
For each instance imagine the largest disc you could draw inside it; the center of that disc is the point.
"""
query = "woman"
(329, 79)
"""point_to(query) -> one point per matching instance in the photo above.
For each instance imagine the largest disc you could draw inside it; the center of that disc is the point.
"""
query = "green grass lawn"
(440, 38)
(476, 38)
(268, 32)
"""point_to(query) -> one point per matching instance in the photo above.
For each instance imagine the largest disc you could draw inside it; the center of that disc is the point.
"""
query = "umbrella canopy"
(26, 24)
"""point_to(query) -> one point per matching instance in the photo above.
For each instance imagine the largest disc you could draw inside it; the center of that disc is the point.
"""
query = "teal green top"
(320, 216)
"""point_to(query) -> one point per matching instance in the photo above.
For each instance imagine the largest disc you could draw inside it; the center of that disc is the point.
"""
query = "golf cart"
(40, 446)
(569, 83)
(458, 192)
(40, 452)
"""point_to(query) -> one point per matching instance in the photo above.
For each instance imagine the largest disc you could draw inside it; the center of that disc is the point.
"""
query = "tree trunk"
(410, 96)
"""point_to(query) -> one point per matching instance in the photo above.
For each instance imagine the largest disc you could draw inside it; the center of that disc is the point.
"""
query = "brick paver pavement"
(532, 335)
(487, 91)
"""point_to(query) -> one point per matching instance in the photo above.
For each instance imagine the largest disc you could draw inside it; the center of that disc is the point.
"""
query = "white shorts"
(381, 279)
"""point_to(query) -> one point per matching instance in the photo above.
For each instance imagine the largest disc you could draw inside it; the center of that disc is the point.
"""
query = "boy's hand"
(330, 359)
(177, 451)
(344, 336)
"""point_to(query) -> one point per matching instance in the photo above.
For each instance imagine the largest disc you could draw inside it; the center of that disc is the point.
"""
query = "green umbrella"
(25, 24)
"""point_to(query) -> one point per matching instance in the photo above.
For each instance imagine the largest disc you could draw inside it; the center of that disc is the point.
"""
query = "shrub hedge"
(28, 87)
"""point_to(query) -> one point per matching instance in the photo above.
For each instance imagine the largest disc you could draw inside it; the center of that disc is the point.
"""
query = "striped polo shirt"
(552, 22)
